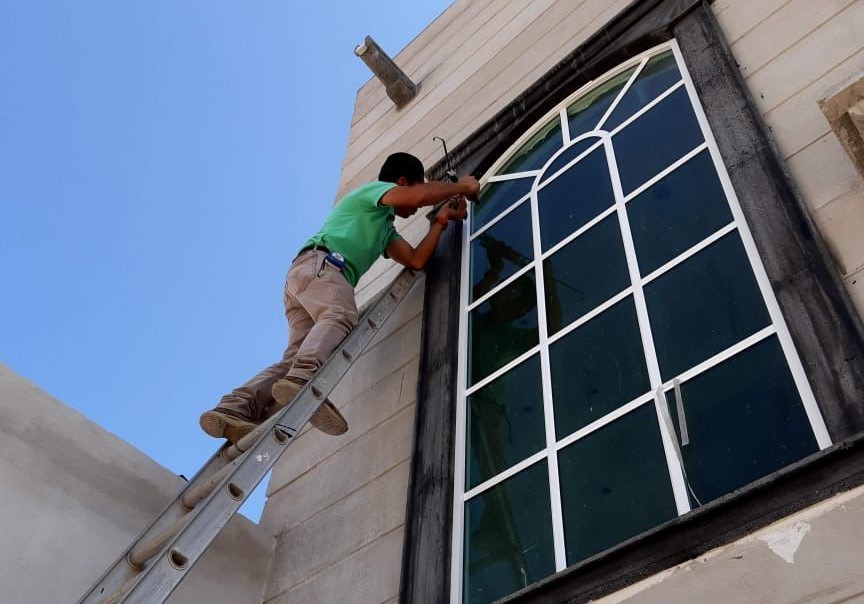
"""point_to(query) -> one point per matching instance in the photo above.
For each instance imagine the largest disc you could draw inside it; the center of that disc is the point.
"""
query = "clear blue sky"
(160, 163)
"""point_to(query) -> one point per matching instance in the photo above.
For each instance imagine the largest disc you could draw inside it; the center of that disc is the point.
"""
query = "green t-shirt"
(359, 228)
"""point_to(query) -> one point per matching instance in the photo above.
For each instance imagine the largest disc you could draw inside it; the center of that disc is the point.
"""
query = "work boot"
(326, 418)
(226, 423)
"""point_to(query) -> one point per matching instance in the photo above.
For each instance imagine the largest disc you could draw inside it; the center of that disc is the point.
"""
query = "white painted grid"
(777, 327)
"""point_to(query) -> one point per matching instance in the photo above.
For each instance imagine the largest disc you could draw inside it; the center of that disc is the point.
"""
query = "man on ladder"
(319, 288)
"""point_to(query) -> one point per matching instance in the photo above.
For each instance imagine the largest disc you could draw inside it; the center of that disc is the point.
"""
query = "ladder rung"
(142, 552)
(150, 569)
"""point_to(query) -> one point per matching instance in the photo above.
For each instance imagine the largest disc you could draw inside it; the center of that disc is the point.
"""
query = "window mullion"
(676, 472)
(457, 544)
(546, 381)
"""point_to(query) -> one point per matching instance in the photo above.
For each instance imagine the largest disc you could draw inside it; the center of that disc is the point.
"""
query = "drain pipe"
(399, 86)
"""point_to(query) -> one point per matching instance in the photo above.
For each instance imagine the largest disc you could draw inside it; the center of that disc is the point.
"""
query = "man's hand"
(457, 209)
(471, 184)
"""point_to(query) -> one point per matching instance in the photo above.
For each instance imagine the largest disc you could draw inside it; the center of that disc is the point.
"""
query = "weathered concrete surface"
(812, 557)
(74, 496)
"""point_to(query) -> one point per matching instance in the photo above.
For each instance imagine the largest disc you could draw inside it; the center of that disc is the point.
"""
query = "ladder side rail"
(121, 571)
(221, 473)
(209, 517)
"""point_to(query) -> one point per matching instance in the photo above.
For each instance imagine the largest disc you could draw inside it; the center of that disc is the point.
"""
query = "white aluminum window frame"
(659, 387)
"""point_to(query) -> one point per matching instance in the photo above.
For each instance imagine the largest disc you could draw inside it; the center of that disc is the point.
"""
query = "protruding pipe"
(399, 86)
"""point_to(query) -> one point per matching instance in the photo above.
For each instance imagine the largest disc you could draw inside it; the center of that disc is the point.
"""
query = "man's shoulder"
(367, 194)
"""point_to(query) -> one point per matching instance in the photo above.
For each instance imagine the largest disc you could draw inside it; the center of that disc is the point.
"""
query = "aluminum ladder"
(159, 558)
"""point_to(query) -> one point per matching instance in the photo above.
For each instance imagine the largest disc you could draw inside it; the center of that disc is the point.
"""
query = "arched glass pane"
(597, 368)
(704, 305)
(749, 408)
(585, 114)
(504, 423)
(574, 198)
(495, 198)
(678, 212)
(568, 155)
(503, 327)
(537, 151)
(508, 542)
(614, 484)
(584, 273)
(656, 140)
(501, 250)
(658, 75)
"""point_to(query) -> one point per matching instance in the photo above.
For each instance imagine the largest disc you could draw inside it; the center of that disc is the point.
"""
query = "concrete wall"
(811, 557)
(343, 498)
(75, 496)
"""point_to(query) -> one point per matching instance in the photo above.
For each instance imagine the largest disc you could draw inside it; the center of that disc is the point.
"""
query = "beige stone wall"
(75, 496)
(794, 53)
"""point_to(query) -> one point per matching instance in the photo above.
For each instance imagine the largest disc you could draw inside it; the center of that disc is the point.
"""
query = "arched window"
(623, 359)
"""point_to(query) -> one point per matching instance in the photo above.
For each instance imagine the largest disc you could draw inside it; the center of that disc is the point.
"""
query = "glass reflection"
(597, 368)
(659, 74)
(502, 328)
(508, 541)
(501, 251)
(585, 273)
(678, 212)
(657, 139)
(505, 422)
(574, 198)
(586, 113)
(745, 420)
(537, 150)
(496, 197)
(571, 153)
(704, 305)
(614, 484)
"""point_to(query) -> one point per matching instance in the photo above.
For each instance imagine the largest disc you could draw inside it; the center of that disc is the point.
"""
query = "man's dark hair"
(402, 164)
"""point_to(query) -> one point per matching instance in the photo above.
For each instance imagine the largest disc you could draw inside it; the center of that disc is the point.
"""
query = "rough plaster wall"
(337, 504)
(812, 557)
(75, 496)
(794, 53)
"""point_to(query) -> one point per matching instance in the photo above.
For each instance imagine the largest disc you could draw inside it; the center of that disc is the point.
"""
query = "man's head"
(405, 170)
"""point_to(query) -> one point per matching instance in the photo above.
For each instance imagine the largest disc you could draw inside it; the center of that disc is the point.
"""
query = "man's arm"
(416, 258)
(428, 193)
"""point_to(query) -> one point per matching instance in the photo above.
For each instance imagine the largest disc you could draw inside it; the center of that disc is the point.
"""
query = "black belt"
(313, 248)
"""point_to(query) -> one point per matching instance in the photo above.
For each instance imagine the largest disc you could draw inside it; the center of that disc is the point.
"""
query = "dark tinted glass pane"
(503, 327)
(501, 251)
(508, 537)
(659, 74)
(537, 150)
(745, 420)
(614, 484)
(704, 305)
(664, 134)
(586, 113)
(574, 198)
(585, 273)
(497, 197)
(505, 422)
(677, 212)
(597, 368)
(571, 153)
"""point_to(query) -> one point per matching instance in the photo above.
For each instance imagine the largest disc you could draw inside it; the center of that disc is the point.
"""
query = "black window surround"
(825, 328)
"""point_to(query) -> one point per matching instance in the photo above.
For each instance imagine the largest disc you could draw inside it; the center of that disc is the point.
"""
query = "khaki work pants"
(321, 311)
